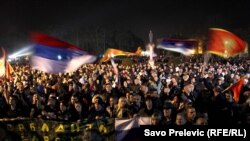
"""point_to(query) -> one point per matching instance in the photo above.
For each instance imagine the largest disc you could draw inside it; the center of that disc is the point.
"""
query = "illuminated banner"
(37, 130)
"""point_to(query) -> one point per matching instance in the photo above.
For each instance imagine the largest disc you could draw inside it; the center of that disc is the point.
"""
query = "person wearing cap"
(168, 114)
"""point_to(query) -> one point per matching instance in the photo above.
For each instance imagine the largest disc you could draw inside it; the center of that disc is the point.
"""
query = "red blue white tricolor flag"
(52, 55)
(183, 46)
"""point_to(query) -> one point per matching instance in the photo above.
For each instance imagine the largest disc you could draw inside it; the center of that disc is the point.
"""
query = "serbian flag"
(183, 46)
(129, 129)
(224, 43)
(110, 53)
(52, 55)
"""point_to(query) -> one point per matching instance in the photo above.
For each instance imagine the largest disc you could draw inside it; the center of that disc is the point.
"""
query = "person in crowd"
(98, 110)
(136, 105)
(50, 110)
(156, 119)
(14, 109)
(111, 107)
(190, 116)
(168, 114)
(201, 120)
(148, 110)
(36, 107)
(122, 110)
(63, 113)
(79, 115)
(180, 119)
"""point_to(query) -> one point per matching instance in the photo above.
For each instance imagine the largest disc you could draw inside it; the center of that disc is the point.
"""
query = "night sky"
(165, 18)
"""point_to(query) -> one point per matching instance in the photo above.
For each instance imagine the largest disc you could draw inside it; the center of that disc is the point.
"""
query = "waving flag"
(115, 52)
(8, 72)
(5, 68)
(53, 56)
(224, 43)
(236, 89)
(128, 129)
(183, 46)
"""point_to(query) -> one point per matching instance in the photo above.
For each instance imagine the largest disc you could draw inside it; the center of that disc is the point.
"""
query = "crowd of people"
(188, 93)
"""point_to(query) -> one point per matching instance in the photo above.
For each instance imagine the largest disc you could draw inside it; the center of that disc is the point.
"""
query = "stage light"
(26, 51)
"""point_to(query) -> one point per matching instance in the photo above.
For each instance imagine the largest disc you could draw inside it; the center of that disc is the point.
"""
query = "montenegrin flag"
(225, 44)
(52, 55)
(236, 89)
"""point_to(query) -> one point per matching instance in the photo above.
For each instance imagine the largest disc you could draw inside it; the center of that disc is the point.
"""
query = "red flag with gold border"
(225, 44)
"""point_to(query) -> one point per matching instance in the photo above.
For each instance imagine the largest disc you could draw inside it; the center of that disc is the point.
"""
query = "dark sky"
(165, 18)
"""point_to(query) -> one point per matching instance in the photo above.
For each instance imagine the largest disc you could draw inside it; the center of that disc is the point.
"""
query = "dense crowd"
(188, 93)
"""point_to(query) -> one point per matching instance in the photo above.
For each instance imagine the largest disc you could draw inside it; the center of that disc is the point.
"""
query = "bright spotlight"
(26, 51)
(59, 57)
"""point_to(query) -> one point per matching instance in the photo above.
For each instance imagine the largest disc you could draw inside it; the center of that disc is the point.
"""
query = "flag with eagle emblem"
(225, 44)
